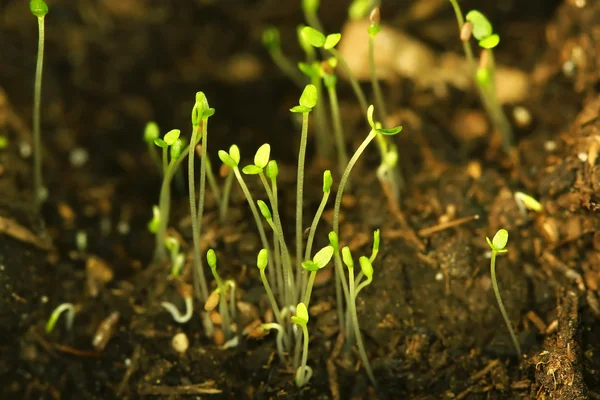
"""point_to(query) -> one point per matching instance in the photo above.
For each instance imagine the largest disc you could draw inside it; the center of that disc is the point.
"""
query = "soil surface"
(430, 321)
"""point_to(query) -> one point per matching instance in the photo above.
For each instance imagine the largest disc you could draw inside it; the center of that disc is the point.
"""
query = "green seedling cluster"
(39, 9)
(498, 244)
(484, 74)
(323, 73)
(176, 257)
(287, 277)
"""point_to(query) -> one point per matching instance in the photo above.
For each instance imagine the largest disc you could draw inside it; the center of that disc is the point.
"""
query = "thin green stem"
(155, 157)
(341, 292)
(323, 142)
(513, 336)
(276, 276)
(223, 310)
(309, 286)
(311, 233)
(37, 104)
(342, 154)
(288, 68)
(358, 92)
(357, 335)
(212, 182)
(199, 280)
(300, 193)
(224, 205)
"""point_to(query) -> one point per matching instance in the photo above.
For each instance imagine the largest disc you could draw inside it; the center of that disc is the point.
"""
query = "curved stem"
(513, 336)
(357, 335)
(37, 103)
(300, 194)
(311, 234)
(177, 316)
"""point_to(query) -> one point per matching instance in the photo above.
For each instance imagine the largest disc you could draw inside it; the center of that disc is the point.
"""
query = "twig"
(198, 388)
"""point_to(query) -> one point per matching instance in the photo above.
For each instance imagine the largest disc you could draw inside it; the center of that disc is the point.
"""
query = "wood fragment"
(164, 390)
(17, 231)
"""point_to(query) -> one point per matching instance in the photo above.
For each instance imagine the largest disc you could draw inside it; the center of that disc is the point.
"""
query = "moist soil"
(430, 321)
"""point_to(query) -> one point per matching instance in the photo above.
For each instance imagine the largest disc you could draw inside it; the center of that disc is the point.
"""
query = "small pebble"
(78, 157)
(180, 343)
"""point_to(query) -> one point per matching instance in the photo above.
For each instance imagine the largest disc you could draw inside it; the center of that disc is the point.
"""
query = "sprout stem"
(223, 310)
(513, 336)
(342, 154)
(177, 316)
(304, 373)
(311, 233)
(69, 308)
(379, 102)
(280, 337)
(37, 102)
(224, 205)
(300, 193)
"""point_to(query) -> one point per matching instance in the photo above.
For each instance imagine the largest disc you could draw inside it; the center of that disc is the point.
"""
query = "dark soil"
(429, 319)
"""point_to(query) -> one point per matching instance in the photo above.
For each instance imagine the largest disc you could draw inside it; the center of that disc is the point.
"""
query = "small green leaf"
(327, 181)
(301, 317)
(151, 132)
(310, 6)
(309, 96)
(160, 143)
(270, 39)
(309, 70)
(261, 158)
(482, 27)
(234, 152)
(272, 170)
(323, 256)
(300, 109)
(172, 244)
(333, 240)
(176, 149)
(251, 170)
(489, 42)
(38, 8)
(306, 46)
(211, 258)
(373, 30)
(528, 201)
(153, 224)
(227, 160)
(500, 239)
(313, 36)
(208, 112)
(332, 40)
(370, 111)
(366, 267)
(310, 266)
(347, 257)
(390, 158)
(376, 241)
(390, 132)
(262, 259)
(171, 136)
(264, 210)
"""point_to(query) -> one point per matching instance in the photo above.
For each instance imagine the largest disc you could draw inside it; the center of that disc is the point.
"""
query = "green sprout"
(367, 270)
(478, 26)
(211, 258)
(177, 316)
(200, 114)
(319, 261)
(176, 256)
(173, 153)
(304, 372)
(69, 308)
(272, 43)
(39, 9)
(525, 201)
(498, 244)
(151, 133)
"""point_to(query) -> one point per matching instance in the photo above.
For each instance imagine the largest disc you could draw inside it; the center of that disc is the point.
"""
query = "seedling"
(366, 268)
(304, 372)
(172, 146)
(69, 308)
(177, 257)
(280, 338)
(272, 43)
(525, 201)
(151, 133)
(478, 26)
(211, 258)
(39, 9)
(319, 261)
(189, 307)
(498, 244)
(200, 114)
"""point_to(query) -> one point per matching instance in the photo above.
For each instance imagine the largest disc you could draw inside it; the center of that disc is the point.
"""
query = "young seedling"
(151, 133)
(69, 308)
(171, 145)
(307, 101)
(304, 372)
(272, 43)
(526, 202)
(479, 26)
(176, 256)
(367, 270)
(498, 244)
(200, 114)
(211, 258)
(39, 9)
(319, 261)
(186, 292)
